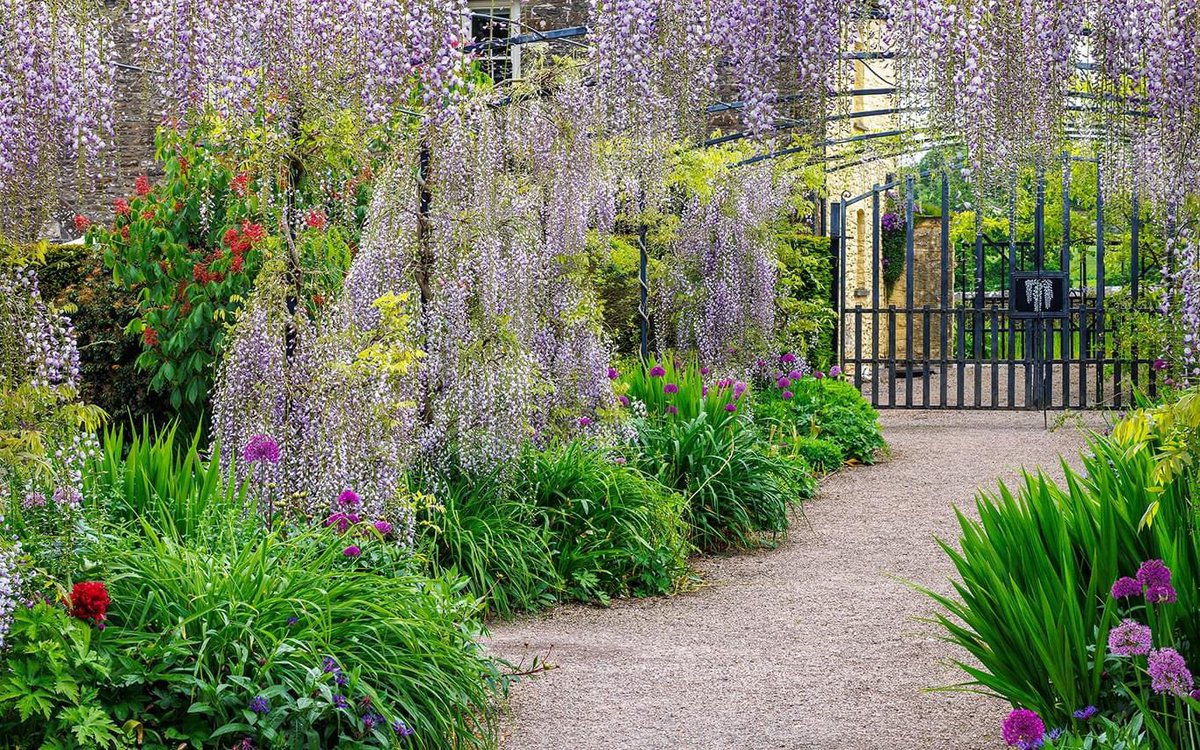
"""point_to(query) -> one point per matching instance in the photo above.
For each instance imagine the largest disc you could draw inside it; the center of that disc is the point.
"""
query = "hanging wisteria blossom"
(55, 104)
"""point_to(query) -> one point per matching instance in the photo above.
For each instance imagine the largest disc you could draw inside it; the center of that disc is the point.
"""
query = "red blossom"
(178, 206)
(200, 273)
(255, 232)
(82, 223)
(183, 164)
(236, 266)
(148, 214)
(230, 237)
(121, 207)
(240, 185)
(141, 186)
(89, 600)
(125, 232)
(317, 219)
(319, 300)
(149, 336)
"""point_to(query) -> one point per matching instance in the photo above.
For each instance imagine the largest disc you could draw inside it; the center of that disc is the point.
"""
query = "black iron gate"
(1024, 334)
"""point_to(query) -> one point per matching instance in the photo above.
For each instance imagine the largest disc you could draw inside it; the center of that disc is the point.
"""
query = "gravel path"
(811, 645)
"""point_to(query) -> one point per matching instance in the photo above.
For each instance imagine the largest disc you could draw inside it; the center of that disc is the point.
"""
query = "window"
(497, 20)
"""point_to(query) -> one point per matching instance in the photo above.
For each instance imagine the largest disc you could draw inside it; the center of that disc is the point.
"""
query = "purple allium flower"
(1130, 638)
(339, 701)
(259, 704)
(787, 358)
(795, 375)
(584, 421)
(1168, 672)
(761, 363)
(352, 551)
(1154, 573)
(349, 497)
(401, 729)
(261, 448)
(738, 389)
(783, 383)
(731, 406)
(342, 520)
(1125, 587)
(1194, 695)
(624, 400)
(613, 374)
(657, 371)
(672, 409)
(1023, 729)
(787, 395)
(383, 527)
(835, 371)
(1085, 713)
(818, 374)
(1159, 364)
(1161, 594)
(704, 370)
(670, 388)
(372, 720)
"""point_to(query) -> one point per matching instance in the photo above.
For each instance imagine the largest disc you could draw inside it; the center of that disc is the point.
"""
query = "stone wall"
(927, 292)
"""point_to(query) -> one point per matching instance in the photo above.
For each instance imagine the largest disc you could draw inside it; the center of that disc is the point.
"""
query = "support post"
(643, 294)
(837, 236)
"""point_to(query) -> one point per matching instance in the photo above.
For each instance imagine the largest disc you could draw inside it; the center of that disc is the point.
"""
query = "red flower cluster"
(317, 219)
(149, 336)
(89, 601)
(240, 185)
(148, 214)
(142, 185)
(82, 223)
(121, 207)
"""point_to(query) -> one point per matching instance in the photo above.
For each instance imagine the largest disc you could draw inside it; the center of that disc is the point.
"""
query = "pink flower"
(352, 551)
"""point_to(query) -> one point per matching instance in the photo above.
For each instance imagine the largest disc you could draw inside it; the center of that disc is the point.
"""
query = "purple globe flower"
(657, 371)
(349, 497)
(787, 358)
(613, 374)
(1168, 672)
(383, 527)
(671, 409)
(704, 370)
(731, 406)
(835, 371)
(738, 389)
(1125, 587)
(761, 363)
(1023, 729)
(818, 374)
(584, 421)
(259, 704)
(795, 374)
(783, 383)
(670, 388)
(1130, 638)
(1161, 594)
(1085, 713)
(1154, 573)
(788, 395)
(341, 520)
(261, 448)
(352, 551)
(624, 400)
(1159, 364)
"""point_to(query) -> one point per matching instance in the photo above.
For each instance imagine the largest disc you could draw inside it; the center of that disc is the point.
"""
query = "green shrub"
(1033, 607)
(824, 456)
(612, 529)
(681, 391)
(826, 408)
(495, 539)
(203, 629)
(736, 489)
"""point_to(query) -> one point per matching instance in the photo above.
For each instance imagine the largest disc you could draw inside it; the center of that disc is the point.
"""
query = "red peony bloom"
(82, 223)
(121, 207)
(89, 601)
(142, 185)
(317, 219)
(149, 336)
(255, 232)
(240, 185)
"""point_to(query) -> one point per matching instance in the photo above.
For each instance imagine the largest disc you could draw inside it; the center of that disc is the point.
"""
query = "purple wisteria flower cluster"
(11, 587)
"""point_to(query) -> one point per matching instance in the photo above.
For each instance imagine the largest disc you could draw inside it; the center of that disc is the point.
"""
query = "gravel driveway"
(812, 645)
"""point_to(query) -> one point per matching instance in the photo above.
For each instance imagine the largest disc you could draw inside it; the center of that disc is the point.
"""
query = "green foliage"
(203, 627)
(612, 530)
(191, 248)
(60, 686)
(824, 456)
(1033, 607)
(826, 408)
(1108, 735)
(805, 320)
(682, 392)
(496, 541)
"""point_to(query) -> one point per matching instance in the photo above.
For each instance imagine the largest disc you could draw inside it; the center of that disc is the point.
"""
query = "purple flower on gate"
(1023, 729)
(892, 221)
(1168, 672)
(261, 448)
(1125, 587)
(1130, 638)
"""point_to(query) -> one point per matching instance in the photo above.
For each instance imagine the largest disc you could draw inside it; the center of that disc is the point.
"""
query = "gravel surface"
(814, 644)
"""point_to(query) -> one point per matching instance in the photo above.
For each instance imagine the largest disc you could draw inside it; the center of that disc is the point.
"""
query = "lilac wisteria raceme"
(242, 57)
(55, 104)
(717, 290)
